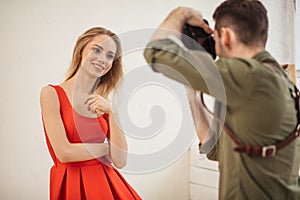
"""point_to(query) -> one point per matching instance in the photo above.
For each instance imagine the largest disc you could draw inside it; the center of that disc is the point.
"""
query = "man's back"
(263, 114)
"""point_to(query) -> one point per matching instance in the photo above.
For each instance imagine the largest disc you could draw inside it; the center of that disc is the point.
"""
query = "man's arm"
(201, 120)
(205, 126)
(195, 69)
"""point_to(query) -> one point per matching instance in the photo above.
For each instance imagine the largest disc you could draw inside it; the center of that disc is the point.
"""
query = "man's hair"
(247, 18)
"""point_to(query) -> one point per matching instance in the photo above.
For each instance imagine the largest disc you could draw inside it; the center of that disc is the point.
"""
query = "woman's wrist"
(109, 110)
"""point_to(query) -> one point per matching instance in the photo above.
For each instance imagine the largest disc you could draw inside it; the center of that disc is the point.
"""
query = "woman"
(77, 121)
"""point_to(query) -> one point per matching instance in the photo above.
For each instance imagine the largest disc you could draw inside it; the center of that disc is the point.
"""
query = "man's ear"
(227, 37)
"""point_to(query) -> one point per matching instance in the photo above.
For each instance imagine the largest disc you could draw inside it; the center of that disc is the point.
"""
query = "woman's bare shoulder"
(48, 94)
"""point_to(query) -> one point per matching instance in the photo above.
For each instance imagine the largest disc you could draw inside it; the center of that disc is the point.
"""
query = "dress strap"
(62, 96)
(106, 117)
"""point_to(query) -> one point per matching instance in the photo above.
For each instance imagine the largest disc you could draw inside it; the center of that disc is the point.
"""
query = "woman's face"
(98, 55)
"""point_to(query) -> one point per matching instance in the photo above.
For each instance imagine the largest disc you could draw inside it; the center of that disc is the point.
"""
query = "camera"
(199, 37)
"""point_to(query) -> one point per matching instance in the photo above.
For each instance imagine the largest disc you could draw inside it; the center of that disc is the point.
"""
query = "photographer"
(260, 111)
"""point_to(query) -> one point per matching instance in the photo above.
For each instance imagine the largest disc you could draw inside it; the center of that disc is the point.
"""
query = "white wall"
(297, 32)
(281, 30)
(37, 39)
(297, 40)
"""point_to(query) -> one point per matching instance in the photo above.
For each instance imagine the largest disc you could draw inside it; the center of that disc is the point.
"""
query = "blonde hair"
(114, 75)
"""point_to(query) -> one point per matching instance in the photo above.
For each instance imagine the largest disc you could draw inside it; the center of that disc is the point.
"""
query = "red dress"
(90, 179)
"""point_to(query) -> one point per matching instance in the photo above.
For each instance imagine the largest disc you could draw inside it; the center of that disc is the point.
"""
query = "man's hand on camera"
(174, 22)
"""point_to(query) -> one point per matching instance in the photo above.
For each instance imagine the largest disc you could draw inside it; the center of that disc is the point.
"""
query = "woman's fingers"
(94, 107)
(97, 103)
(91, 103)
(90, 98)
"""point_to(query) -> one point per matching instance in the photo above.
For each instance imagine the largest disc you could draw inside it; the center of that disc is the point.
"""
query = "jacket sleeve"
(193, 68)
(230, 81)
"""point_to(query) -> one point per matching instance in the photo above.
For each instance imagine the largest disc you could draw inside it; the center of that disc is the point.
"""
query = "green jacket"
(259, 111)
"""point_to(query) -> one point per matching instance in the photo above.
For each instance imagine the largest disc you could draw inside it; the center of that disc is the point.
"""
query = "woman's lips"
(97, 66)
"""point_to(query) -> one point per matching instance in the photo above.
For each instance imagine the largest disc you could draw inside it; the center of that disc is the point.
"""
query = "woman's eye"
(96, 50)
(110, 57)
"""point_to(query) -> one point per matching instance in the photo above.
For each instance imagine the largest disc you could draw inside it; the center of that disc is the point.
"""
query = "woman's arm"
(117, 141)
(63, 149)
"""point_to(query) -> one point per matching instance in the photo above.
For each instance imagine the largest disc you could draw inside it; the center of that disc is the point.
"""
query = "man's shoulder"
(254, 65)
(240, 66)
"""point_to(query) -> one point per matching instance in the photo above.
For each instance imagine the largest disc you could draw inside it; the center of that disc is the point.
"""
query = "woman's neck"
(82, 83)
(79, 87)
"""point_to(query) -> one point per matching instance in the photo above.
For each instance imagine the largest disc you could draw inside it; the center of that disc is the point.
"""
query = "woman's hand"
(97, 104)
(107, 158)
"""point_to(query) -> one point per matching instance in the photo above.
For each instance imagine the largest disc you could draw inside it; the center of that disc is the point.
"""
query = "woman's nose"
(101, 58)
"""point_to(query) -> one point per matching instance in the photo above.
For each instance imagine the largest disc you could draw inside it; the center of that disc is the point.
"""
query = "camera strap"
(268, 150)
